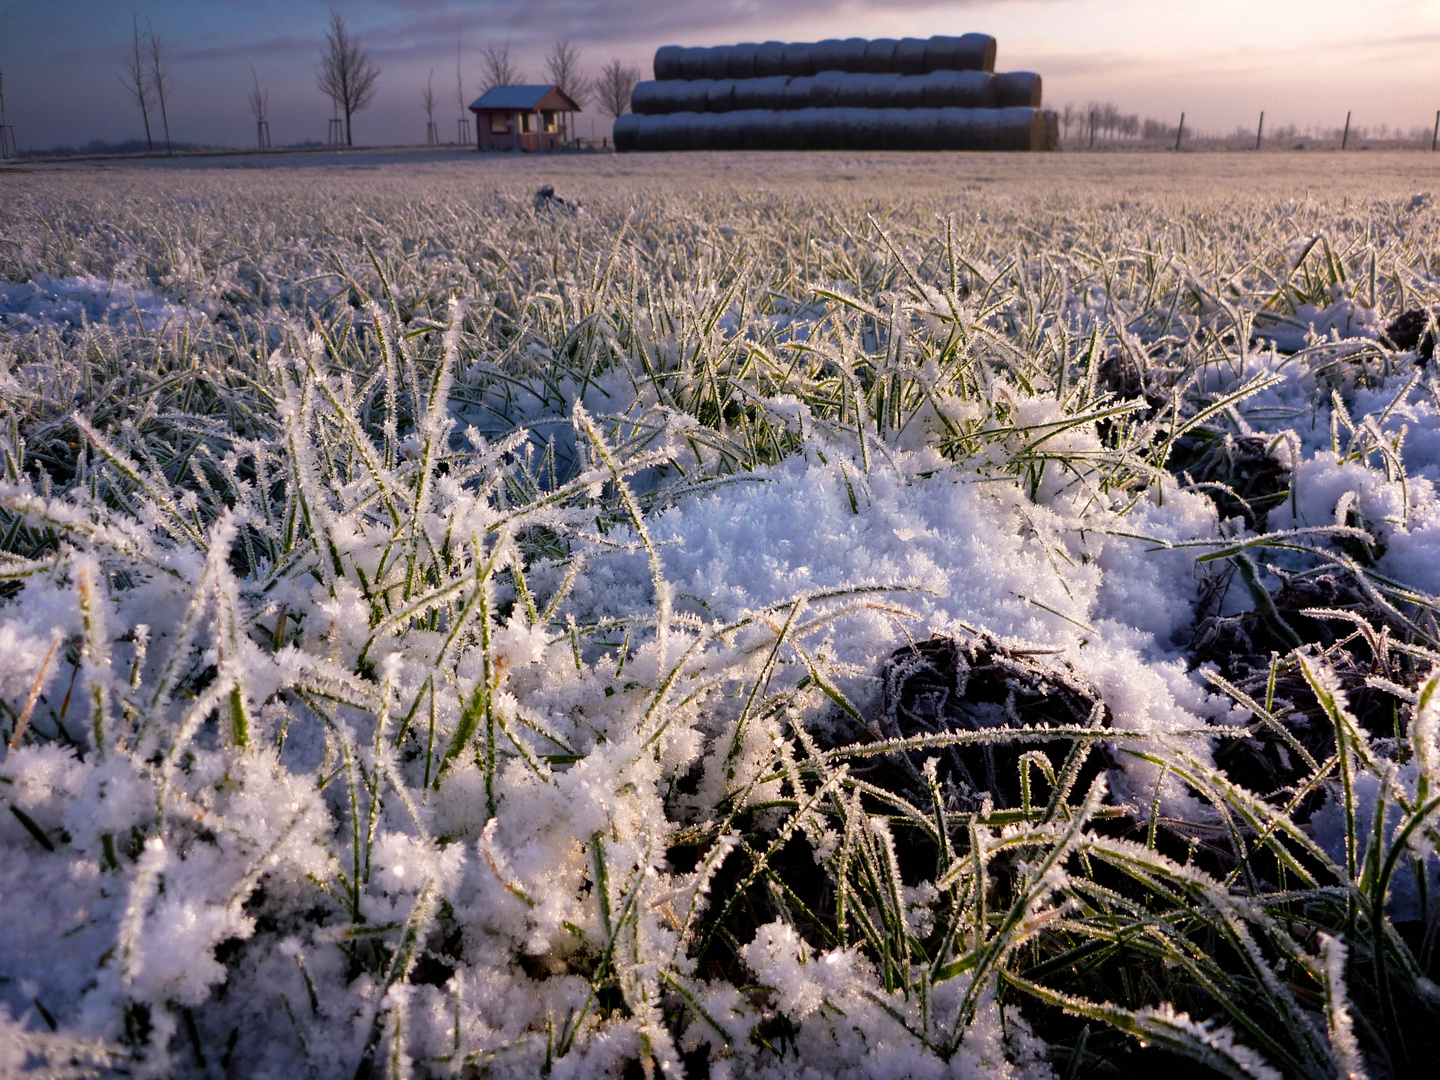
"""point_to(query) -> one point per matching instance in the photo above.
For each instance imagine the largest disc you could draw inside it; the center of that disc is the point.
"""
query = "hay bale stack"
(937, 93)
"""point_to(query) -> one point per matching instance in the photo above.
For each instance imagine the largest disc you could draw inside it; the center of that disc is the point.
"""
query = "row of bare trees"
(609, 90)
(350, 78)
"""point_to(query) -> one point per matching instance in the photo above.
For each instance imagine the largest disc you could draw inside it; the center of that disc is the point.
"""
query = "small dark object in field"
(947, 685)
(546, 199)
(1411, 331)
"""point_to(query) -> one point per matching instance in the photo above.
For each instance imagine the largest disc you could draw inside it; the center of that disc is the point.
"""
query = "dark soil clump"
(1412, 332)
(979, 684)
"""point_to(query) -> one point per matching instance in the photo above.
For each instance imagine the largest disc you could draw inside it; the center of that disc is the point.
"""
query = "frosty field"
(812, 615)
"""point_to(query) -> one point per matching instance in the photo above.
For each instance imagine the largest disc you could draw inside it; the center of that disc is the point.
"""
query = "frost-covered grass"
(440, 637)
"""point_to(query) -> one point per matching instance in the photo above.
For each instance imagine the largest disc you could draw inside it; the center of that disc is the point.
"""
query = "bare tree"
(462, 129)
(498, 68)
(432, 134)
(136, 85)
(613, 87)
(159, 79)
(259, 99)
(460, 102)
(259, 102)
(7, 133)
(347, 75)
(562, 64)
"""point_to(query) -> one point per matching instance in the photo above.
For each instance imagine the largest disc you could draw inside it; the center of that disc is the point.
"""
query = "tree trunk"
(166, 119)
(348, 140)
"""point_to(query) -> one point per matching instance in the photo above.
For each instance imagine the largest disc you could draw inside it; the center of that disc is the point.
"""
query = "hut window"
(549, 117)
(499, 123)
(525, 122)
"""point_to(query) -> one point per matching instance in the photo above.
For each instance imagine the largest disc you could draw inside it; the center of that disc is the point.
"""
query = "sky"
(1219, 61)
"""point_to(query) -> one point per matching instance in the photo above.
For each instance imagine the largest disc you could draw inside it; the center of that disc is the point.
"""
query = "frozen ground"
(440, 635)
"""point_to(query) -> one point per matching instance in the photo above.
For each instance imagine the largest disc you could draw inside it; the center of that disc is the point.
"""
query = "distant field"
(879, 615)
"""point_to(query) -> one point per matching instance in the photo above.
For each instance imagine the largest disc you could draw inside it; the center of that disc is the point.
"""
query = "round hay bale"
(651, 133)
(953, 129)
(984, 129)
(747, 94)
(797, 93)
(648, 97)
(849, 90)
(717, 62)
(974, 52)
(719, 97)
(880, 55)
(851, 54)
(791, 130)
(865, 126)
(894, 133)
(832, 129)
(675, 131)
(692, 62)
(1017, 89)
(752, 128)
(770, 92)
(924, 129)
(1020, 128)
(960, 89)
(742, 61)
(806, 129)
(766, 129)
(702, 131)
(880, 90)
(689, 95)
(979, 89)
(825, 89)
(1052, 130)
(826, 55)
(910, 56)
(730, 131)
(909, 91)
(667, 62)
(796, 60)
(940, 53)
(940, 90)
(770, 60)
(627, 133)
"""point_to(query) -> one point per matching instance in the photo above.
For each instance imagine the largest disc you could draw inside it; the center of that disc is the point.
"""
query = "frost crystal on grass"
(438, 638)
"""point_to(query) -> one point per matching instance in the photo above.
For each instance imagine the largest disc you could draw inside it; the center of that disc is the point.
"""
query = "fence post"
(1180, 131)
(1345, 138)
(1259, 131)
(1436, 136)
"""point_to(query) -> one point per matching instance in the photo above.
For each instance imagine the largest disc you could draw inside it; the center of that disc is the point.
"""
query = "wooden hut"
(525, 118)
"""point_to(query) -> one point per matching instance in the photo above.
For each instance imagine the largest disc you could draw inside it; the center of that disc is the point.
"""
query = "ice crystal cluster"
(441, 636)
